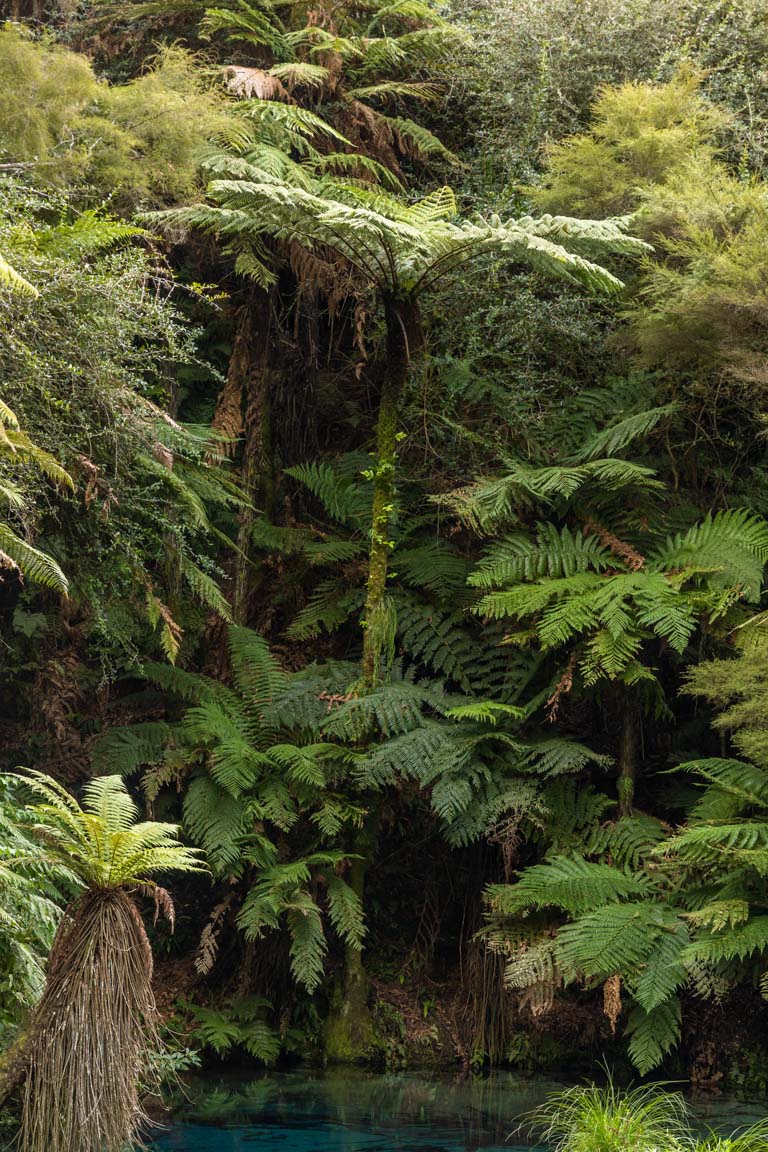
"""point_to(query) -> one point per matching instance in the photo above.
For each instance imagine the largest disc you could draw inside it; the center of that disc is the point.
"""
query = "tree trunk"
(404, 342)
(247, 387)
(349, 1031)
(629, 748)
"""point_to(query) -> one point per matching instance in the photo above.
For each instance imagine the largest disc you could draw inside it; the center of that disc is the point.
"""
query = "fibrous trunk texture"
(92, 1032)
(253, 365)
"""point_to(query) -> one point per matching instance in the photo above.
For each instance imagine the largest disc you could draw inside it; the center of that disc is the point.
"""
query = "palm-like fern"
(95, 1025)
(673, 909)
(402, 250)
(354, 68)
(102, 844)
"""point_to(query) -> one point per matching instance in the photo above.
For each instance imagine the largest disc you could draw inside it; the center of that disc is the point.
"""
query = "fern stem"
(404, 341)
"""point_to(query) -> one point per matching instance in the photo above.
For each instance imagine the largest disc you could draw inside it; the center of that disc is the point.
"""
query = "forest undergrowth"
(384, 530)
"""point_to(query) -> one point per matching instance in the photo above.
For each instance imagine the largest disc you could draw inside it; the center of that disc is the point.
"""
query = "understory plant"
(93, 1034)
(647, 1118)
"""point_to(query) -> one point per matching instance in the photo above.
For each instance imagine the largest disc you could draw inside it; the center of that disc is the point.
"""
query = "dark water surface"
(347, 1110)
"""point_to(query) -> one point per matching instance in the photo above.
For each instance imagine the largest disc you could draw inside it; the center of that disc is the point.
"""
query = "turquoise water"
(346, 1110)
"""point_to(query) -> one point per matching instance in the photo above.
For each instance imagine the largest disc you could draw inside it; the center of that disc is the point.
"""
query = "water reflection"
(349, 1110)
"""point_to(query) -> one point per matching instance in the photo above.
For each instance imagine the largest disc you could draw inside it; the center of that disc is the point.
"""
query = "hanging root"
(93, 1032)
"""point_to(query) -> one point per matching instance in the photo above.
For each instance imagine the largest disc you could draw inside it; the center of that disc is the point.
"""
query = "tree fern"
(620, 433)
(346, 912)
(569, 883)
(125, 750)
(653, 1034)
(614, 937)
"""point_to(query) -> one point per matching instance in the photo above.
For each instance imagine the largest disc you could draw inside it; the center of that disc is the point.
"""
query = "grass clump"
(594, 1118)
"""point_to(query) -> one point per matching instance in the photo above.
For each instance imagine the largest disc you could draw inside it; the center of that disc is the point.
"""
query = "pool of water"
(348, 1110)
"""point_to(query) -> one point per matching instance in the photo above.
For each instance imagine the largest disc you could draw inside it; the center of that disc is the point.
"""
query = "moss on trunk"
(350, 1035)
(404, 342)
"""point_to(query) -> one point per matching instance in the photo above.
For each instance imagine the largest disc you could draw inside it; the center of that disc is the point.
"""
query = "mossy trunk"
(350, 1035)
(404, 342)
(349, 1032)
(13, 1066)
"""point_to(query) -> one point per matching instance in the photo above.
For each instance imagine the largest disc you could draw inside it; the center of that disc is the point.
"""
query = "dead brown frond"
(208, 948)
(562, 688)
(612, 1000)
(228, 416)
(250, 82)
(631, 557)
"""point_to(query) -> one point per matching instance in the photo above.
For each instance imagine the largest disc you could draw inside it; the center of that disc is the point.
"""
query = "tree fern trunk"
(628, 750)
(349, 1031)
(251, 365)
(404, 341)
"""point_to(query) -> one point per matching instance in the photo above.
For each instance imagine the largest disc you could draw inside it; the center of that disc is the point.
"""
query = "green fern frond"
(734, 542)
(627, 841)
(14, 281)
(193, 687)
(569, 883)
(31, 562)
(300, 74)
(620, 433)
(90, 232)
(330, 605)
(614, 938)
(308, 943)
(663, 972)
(216, 821)
(434, 566)
(205, 588)
(257, 674)
(653, 1034)
(552, 553)
(435, 640)
(423, 91)
(416, 140)
(737, 943)
(346, 912)
(345, 497)
(125, 750)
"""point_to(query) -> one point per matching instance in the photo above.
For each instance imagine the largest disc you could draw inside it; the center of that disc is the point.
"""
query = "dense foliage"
(385, 501)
